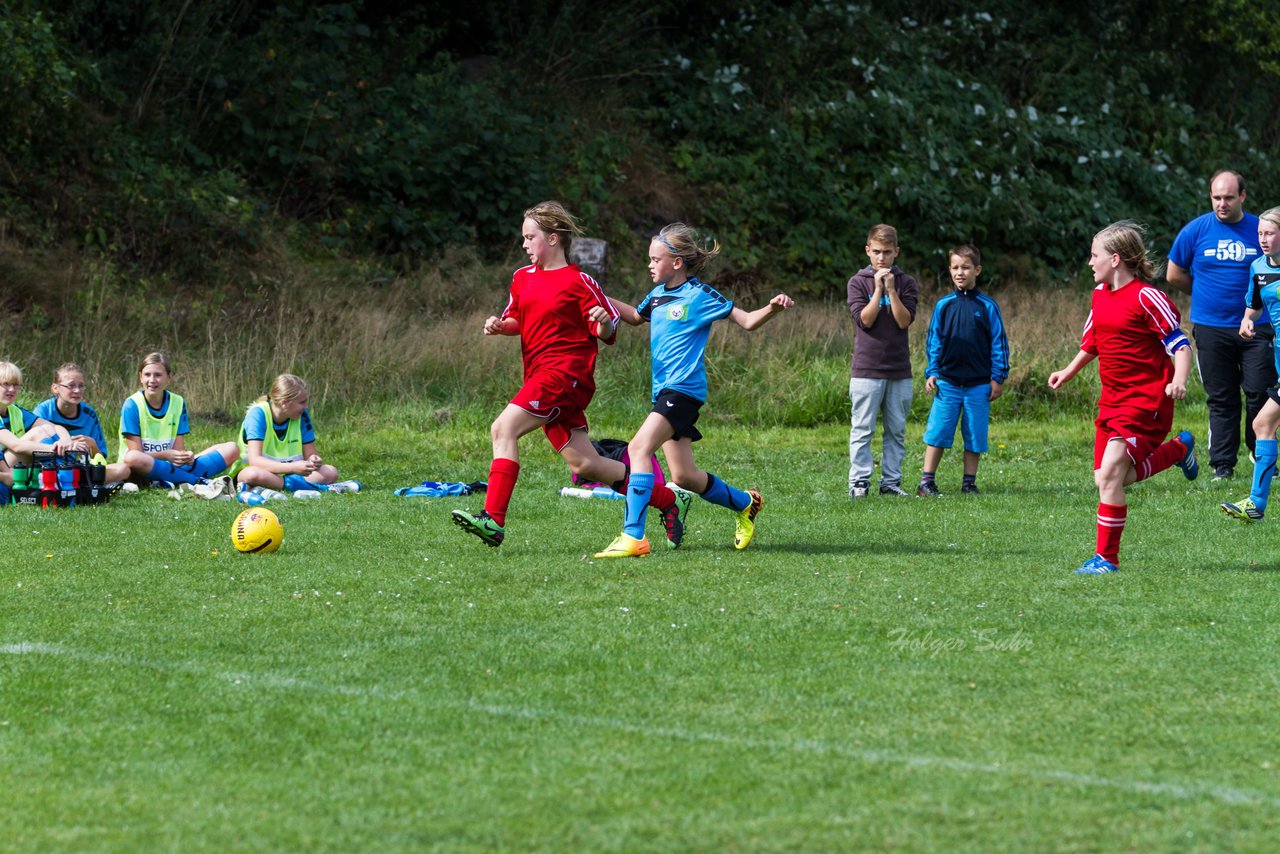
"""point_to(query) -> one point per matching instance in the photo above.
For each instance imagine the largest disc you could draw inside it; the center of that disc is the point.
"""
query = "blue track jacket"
(967, 345)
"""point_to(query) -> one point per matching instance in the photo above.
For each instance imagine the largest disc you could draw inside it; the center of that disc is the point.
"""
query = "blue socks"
(165, 470)
(639, 490)
(208, 464)
(1264, 468)
(719, 492)
(296, 482)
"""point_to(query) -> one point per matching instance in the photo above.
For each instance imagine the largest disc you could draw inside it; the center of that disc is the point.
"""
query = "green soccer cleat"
(1245, 511)
(745, 527)
(625, 546)
(482, 525)
(673, 518)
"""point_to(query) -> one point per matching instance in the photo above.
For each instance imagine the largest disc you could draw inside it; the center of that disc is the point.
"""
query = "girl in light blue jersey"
(153, 430)
(279, 445)
(67, 408)
(680, 311)
(1264, 292)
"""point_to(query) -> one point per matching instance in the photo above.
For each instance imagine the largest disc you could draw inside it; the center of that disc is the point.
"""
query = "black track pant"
(1227, 364)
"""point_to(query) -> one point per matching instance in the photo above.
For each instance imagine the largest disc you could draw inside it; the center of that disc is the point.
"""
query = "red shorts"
(1141, 436)
(558, 399)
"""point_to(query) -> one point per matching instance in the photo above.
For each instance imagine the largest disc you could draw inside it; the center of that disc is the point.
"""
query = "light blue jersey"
(680, 321)
(254, 427)
(131, 422)
(1264, 293)
(84, 423)
(16, 419)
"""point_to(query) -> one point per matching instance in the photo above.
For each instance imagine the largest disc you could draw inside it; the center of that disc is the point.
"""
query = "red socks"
(502, 482)
(1111, 519)
(662, 497)
(1161, 458)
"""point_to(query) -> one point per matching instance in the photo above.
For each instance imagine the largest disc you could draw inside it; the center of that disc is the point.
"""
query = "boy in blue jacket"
(968, 364)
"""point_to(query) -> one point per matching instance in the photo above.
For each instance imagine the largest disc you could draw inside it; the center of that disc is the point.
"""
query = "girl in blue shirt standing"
(680, 311)
(1264, 295)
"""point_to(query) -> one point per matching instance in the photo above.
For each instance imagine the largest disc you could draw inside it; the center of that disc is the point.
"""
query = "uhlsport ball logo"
(256, 531)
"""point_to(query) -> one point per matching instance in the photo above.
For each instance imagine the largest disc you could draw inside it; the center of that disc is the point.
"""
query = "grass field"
(892, 674)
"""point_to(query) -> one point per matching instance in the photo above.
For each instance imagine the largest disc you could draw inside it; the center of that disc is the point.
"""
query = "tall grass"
(363, 338)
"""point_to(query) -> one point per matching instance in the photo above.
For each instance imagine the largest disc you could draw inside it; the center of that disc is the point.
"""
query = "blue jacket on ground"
(967, 345)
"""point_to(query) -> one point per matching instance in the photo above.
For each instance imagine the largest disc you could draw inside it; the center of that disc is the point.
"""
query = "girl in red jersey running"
(559, 312)
(1132, 330)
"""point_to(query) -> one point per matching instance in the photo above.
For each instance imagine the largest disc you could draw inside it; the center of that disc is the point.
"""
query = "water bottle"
(67, 478)
(48, 486)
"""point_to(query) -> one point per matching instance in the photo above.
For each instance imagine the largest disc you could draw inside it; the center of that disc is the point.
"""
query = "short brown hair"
(966, 250)
(883, 234)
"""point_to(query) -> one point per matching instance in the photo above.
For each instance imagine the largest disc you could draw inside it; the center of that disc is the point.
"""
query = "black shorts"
(1274, 394)
(681, 410)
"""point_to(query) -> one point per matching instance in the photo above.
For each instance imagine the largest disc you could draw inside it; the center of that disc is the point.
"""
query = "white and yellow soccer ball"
(257, 531)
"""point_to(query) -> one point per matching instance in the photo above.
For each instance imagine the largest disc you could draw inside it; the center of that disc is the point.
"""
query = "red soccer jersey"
(555, 334)
(1133, 331)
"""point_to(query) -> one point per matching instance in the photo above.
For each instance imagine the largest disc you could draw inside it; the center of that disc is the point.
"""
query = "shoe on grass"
(1223, 472)
(481, 525)
(970, 489)
(345, 486)
(1189, 464)
(860, 489)
(1245, 511)
(626, 546)
(893, 489)
(673, 518)
(1097, 565)
(928, 489)
(745, 526)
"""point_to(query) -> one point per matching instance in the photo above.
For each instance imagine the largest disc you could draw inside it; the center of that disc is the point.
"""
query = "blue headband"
(667, 244)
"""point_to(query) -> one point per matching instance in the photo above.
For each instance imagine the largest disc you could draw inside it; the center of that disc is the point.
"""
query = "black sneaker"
(1223, 472)
(928, 489)
(859, 489)
(893, 489)
(969, 489)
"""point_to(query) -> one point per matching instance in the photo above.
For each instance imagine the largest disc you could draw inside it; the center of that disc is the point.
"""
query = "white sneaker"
(345, 486)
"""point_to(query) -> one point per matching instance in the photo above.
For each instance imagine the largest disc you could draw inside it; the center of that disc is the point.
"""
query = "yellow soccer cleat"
(625, 546)
(745, 528)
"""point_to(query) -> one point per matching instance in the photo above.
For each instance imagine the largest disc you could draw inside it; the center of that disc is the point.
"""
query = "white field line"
(1196, 790)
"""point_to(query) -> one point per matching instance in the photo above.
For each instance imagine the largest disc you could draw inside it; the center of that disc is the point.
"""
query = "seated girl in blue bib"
(153, 430)
(278, 443)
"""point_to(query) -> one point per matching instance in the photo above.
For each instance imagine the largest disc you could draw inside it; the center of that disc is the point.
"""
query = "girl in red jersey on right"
(559, 312)
(1132, 331)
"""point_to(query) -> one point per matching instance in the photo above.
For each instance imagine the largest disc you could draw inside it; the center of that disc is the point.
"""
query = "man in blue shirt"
(1210, 260)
